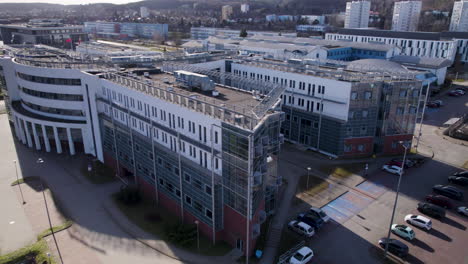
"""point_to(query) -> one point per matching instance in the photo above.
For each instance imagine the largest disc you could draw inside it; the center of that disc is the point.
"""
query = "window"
(354, 96)
(403, 93)
(188, 199)
(176, 171)
(394, 145)
(348, 148)
(365, 113)
(197, 206)
(160, 161)
(187, 177)
(216, 163)
(177, 192)
(349, 131)
(208, 213)
(216, 137)
(208, 189)
(368, 95)
(161, 181)
(400, 110)
(363, 130)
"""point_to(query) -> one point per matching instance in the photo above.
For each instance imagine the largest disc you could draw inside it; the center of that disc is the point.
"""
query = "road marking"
(12, 222)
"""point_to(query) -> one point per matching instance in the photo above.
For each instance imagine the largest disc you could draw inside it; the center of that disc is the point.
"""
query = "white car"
(392, 169)
(302, 256)
(419, 221)
(301, 228)
(460, 91)
(462, 210)
(320, 213)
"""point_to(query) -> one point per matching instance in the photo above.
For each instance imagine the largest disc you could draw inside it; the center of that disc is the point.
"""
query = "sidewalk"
(16, 230)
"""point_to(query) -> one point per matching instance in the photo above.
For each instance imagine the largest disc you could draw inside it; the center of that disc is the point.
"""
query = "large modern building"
(357, 14)
(205, 32)
(43, 31)
(126, 30)
(341, 109)
(204, 150)
(406, 15)
(459, 20)
(444, 45)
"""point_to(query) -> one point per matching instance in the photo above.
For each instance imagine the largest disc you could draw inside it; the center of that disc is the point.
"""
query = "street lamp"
(396, 197)
(198, 236)
(308, 176)
(40, 161)
(19, 184)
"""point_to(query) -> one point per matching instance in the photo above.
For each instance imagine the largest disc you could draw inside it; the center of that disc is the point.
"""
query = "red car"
(432, 105)
(439, 200)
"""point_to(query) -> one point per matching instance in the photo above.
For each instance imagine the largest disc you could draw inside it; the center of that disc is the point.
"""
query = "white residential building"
(357, 14)
(226, 12)
(406, 15)
(245, 8)
(144, 12)
(459, 21)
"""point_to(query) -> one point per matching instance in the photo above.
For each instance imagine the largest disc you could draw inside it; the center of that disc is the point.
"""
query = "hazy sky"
(69, 2)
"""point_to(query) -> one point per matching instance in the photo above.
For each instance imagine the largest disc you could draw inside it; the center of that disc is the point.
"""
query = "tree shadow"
(439, 234)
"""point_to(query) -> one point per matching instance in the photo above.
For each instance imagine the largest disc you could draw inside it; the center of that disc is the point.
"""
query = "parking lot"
(361, 216)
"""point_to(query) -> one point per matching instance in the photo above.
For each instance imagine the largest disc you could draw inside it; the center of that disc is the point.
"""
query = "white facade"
(412, 47)
(205, 32)
(459, 21)
(226, 12)
(406, 16)
(357, 14)
(245, 8)
(144, 12)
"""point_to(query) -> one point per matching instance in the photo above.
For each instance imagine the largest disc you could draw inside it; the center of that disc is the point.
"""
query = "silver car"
(463, 210)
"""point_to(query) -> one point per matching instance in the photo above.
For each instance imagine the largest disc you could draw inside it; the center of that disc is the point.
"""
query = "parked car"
(392, 169)
(454, 93)
(403, 231)
(463, 210)
(419, 221)
(394, 163)
(431, 210)
(438, 102)
(394, 246)
(319, 213)
(439, 200)
(458, 180)
(408, 162)
(449, 191)
(302, 256)
(417, 161)
(460, 91)
(311, 220)
(301, 228)
(461, 174)
(432, 105)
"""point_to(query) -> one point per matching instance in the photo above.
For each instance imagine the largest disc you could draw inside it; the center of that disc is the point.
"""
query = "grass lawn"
(37, 251)
(343, 170)
(155, 220)
(100, 174)
(56, 229)
(316, 185)
(25, 179)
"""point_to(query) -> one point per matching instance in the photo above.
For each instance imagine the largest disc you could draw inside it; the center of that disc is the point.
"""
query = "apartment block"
(357, 14)
(459, 20)
(406, 15)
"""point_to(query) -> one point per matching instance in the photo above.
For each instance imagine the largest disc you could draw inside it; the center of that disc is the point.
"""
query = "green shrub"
(181, 234)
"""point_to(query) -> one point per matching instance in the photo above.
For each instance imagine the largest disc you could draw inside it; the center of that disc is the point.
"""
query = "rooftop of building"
(423, 62)
(403, 34)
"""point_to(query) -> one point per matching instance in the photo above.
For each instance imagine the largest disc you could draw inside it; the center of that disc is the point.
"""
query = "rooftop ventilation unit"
(194, 80)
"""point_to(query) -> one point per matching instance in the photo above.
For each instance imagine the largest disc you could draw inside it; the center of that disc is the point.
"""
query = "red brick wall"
(367, 142)
(388, 140)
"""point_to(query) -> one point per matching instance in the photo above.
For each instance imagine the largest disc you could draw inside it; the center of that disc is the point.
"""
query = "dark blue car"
(311, 220)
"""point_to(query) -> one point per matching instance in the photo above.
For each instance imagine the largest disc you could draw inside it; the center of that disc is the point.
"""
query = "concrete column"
(28, 134)
(36, 137)
(21, 131)
(70, 142)
(57, 141)
(46, 138)
(17, 128)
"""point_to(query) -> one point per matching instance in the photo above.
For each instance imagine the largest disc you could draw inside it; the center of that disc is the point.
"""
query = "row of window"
(188, 200)
(53, 96)
(47, 80)
(307, 104)
(358, 147)
(172, 120)
(168, 140)
(283, 81)
(51, 110)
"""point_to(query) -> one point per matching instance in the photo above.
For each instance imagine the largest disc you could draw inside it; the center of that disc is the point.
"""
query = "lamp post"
(40, 161)
(198, 236)
(308, 176)
(19, 184)
(396, 198)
